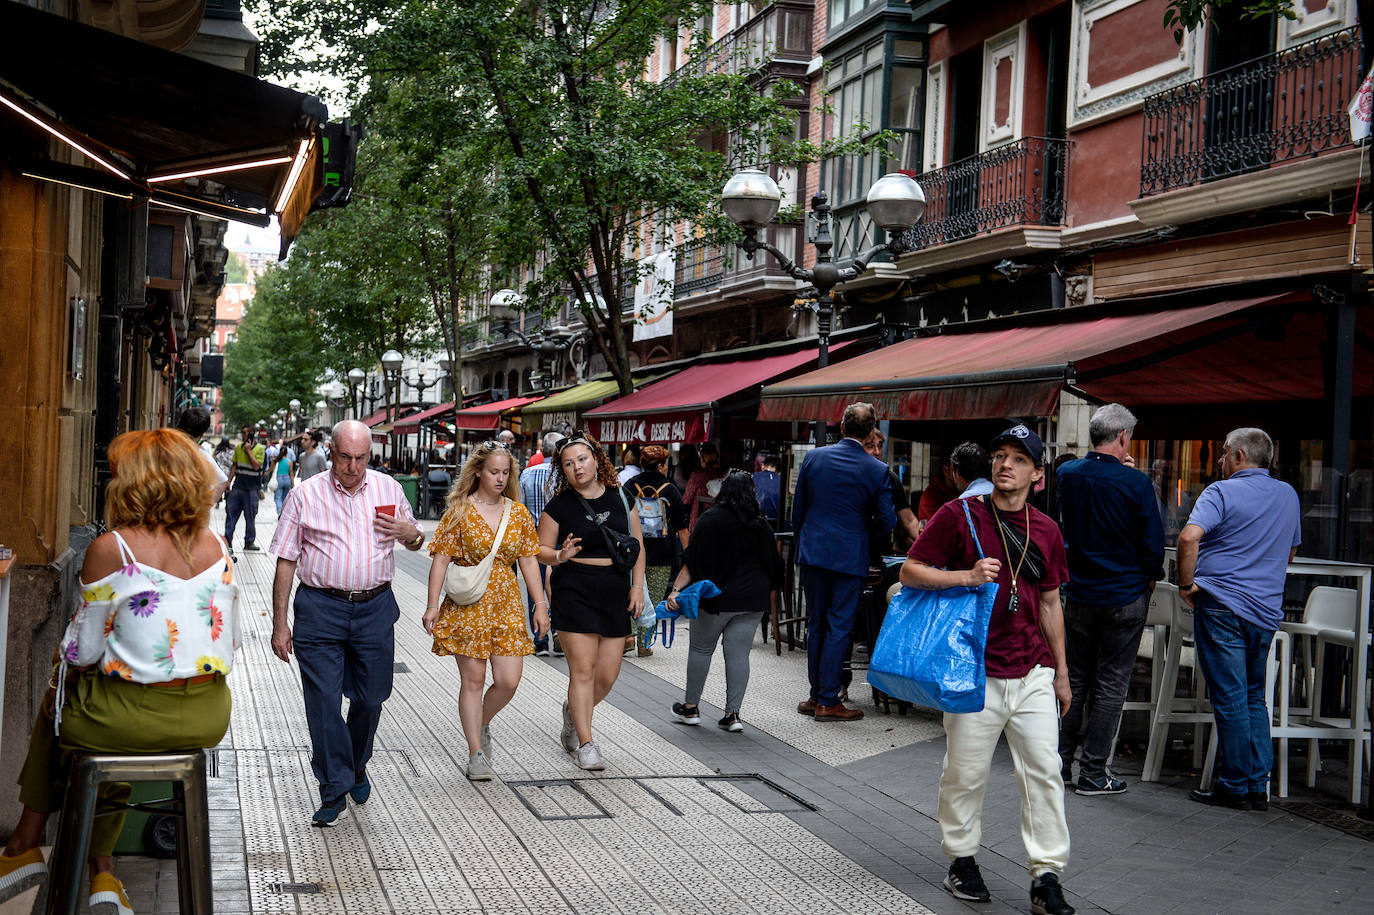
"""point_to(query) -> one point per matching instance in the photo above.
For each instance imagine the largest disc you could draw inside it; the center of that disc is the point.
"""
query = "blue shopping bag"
(930, 649)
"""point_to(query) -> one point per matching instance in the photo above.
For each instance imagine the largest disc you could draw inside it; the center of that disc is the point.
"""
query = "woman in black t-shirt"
(732, 546)
(592, 601)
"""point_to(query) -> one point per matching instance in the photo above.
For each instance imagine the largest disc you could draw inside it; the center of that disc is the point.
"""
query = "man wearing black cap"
(1027, 674)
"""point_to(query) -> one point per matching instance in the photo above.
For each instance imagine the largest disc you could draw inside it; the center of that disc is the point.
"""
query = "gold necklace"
(1014, 601)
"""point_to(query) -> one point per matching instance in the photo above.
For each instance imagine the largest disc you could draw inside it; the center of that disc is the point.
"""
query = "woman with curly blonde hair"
(491, 631)
(142, 665)
(593, 601)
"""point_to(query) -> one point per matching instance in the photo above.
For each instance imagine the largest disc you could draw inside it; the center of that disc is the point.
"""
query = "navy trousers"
(832, 603)
(241, 502)
(343, 649)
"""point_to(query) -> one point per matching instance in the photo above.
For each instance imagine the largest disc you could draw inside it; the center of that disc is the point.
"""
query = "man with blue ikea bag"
(1027, 687)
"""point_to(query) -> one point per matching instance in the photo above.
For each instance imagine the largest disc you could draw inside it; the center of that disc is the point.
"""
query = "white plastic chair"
(1168, 709)
(1326, 608)
(1157, 620)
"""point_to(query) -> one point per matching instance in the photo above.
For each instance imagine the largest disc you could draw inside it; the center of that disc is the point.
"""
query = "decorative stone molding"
(1009, 47)
(1336, 15)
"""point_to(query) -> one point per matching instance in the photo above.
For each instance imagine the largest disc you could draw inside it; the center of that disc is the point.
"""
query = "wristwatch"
(418, 542)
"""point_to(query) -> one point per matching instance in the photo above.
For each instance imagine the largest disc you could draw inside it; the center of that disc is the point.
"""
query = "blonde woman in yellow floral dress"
(491, 631)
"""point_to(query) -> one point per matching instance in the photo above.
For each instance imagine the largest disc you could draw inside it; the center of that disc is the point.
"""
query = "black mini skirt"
(592, 599)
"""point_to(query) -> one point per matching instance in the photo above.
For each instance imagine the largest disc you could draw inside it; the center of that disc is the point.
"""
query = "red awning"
(375, 418)
(1019, 371)
(488, 415)
(411, 424)
(678, 409)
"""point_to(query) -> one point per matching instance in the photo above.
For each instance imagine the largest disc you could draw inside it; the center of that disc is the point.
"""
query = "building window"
(841, 10)
(877, 85)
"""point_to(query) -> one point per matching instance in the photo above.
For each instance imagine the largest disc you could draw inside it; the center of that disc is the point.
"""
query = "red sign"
(688, 427)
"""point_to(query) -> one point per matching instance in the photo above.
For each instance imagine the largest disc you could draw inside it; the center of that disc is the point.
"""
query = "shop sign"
(675, 427)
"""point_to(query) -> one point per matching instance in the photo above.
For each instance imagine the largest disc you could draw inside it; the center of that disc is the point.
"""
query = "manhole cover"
(1342, 817)
(558, 799)
(297, 889)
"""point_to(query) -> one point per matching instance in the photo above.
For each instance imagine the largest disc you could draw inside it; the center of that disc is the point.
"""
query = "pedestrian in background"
(1114, 540)
(338, 535)
(700, 483)
(534, 493)
(841, 492)
(1027, 677)
(313, 459)
(629, 464)
(768, 486)
(969, 468)
(907, 525)
(128, 689)
(662, 522)
(491, 632)
(1233, 557)
(733, 547)
(592, 600)
(195, 421)
(284, 470)
(245, 488)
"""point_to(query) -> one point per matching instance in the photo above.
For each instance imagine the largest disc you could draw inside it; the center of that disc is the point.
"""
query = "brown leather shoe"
(838, 712)
(807, 707)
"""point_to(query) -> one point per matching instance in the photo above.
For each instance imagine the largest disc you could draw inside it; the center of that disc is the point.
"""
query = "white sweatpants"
(1026, 709)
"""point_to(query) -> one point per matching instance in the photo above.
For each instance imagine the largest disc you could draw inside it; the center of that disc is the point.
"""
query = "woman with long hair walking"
(593, 600)
(733, 547)
(491, 632)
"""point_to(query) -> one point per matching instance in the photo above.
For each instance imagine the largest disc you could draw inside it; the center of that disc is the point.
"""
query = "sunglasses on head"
(575, 440)
(489, 444)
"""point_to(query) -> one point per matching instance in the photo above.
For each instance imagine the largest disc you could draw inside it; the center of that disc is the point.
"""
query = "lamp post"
(322, 409)
(391, 364)
(421, 385)
(751, 199)
(295, 406)
(356, 377)
(445, 364)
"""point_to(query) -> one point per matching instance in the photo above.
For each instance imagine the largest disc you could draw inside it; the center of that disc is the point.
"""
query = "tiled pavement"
(819, 818)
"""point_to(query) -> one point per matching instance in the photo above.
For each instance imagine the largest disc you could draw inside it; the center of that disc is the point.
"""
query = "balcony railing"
(783, 30)
(702, 268)
(1019, 184)
(1286, 106)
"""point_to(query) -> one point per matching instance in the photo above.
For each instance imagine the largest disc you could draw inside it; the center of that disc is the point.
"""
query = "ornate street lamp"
(391, 365)
(295, 407)
(356, 377)
(421, 385)
(895, 203)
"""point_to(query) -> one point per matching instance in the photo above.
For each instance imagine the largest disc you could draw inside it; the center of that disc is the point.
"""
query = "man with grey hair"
(1115, 544)
(534, 492)
(1233, 557)
(842, 492)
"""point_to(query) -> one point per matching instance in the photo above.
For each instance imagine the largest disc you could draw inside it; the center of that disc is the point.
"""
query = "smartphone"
(386, 510)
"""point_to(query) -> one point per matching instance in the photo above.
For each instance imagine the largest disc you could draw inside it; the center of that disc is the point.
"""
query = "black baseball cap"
(1022, 435)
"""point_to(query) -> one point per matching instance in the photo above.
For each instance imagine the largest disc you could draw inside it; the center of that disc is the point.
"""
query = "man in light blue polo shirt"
(1233, 556)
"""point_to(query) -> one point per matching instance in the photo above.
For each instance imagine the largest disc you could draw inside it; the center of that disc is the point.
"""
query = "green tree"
(235, 268)
(276, 356)
(1186, 15)
(545, 110)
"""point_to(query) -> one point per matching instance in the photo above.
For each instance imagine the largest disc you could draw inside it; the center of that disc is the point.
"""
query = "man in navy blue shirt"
(1115, 544)
(1233, 557)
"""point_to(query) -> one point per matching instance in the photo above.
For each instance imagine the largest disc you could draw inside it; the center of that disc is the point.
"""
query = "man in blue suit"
(841, 493)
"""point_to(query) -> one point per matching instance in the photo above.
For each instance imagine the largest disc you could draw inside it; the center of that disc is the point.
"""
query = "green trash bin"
(411, 486)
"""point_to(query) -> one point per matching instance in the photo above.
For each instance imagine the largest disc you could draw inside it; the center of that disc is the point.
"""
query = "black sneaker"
(330, 814)
(1047, 896)
(965, 881)
(1107, 784)
(1259, 800)
(1066, 773)
(251, 547)
(686, 714)
(731, 723)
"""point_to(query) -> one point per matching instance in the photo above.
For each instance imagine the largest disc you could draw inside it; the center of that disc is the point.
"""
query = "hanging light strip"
(295, 174)
(237, 167)
(209, 208)
(80, 187)
(93, 156)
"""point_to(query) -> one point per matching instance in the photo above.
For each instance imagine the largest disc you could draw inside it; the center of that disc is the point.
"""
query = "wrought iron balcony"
(1286, 106)
(782, 31)
(703, 268)
(1019, 184)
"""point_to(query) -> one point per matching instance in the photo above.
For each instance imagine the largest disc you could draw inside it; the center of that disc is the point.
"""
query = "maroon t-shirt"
(1015, 644)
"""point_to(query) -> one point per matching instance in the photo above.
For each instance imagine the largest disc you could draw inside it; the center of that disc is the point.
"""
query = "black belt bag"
(623, 548)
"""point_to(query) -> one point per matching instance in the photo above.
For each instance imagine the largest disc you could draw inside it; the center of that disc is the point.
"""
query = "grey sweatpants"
(737, 629)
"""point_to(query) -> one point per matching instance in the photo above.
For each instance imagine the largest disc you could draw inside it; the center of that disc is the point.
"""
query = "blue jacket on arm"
(841, 489)
(1113, 534)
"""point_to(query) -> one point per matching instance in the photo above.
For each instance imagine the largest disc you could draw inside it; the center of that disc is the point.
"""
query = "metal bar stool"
(190, 805)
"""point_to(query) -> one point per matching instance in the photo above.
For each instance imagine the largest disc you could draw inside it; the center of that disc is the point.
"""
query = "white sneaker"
(569, 732)
(479, 770)
(486, 741)
(589, 758)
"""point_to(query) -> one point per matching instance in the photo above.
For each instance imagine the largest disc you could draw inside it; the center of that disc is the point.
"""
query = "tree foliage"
(1185, 15)
(535, 124)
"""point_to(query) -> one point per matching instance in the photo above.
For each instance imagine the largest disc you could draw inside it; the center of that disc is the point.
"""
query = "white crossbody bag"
(465, 585)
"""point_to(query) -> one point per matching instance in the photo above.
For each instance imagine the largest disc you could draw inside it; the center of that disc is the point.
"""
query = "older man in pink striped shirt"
(338, 533)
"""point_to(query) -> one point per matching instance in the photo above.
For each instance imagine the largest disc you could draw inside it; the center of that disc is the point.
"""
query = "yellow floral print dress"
(495, 625)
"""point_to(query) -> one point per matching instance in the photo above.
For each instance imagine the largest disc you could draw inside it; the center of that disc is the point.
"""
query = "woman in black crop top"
(592, 602)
